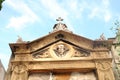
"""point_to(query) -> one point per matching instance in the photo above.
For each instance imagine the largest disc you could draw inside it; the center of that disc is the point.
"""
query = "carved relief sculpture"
(41, 54)
(61, 50)
(80, 53)
(104, 69)
(19, 73)
(103, 66)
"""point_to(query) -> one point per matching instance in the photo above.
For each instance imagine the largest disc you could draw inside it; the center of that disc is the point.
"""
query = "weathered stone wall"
(2, 71)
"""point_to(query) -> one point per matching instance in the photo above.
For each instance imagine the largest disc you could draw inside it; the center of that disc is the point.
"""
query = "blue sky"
(32, 19)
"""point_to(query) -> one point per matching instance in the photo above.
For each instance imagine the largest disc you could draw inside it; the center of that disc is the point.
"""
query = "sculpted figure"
(61, 50)
(19, 73)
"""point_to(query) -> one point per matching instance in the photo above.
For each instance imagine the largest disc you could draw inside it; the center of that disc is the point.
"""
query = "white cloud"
(106, 3)
(76, 8)
(94, 12)
(106, 11)
(54, 9)
(73, 5)
(101, 11)
(26, 14)
(18, 22)
(107, 16)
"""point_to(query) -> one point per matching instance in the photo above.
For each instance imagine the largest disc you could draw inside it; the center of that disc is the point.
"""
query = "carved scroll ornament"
(41, 54)
(80, 53)
(103, 66)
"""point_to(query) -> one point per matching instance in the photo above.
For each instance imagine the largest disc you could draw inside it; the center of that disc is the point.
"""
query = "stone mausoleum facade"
(61, 55)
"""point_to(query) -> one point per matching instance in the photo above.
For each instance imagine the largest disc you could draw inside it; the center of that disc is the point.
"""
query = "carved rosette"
(60, 50)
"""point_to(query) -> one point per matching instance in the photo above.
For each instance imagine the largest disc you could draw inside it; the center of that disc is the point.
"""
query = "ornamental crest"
(60, 50)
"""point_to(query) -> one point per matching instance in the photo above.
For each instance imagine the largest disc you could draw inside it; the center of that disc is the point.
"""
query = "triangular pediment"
(60, 49)
(53, 37)
(63, 35)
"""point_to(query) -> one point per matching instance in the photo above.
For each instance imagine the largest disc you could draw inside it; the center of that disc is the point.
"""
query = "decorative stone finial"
(60, 26)
(102, 37)
(19, 40)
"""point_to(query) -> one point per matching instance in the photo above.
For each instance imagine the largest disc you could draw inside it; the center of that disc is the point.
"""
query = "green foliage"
(1, 1)
(119, 54)
(116, 27)
(117, 23)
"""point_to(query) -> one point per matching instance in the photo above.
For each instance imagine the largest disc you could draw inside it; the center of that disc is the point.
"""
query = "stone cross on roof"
(59, 19)
(60, 25)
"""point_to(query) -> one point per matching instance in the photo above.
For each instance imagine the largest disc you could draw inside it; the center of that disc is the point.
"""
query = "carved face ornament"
(60, 50)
